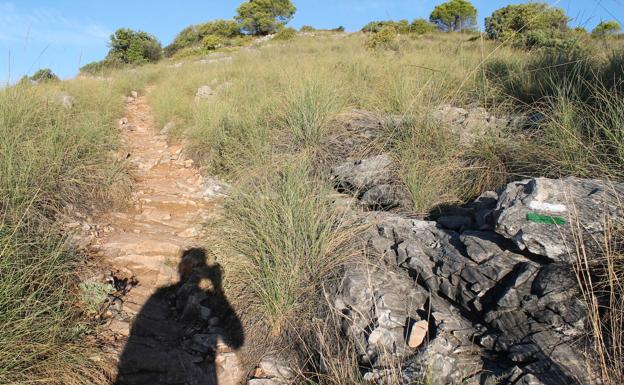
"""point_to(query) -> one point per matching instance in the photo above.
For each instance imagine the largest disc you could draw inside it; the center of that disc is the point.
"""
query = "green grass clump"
(309, 107)
(50, 156)
(287, 234)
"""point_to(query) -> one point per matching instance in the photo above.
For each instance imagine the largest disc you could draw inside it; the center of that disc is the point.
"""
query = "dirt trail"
(156, 339)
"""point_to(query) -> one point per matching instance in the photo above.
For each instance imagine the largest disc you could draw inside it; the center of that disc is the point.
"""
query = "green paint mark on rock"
(545, 219)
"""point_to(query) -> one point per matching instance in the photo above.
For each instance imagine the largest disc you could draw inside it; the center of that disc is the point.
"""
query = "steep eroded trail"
(173, 324)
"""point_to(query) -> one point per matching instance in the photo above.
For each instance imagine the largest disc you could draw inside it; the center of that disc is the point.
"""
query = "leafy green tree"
(134, 47)
(523, 19)
(454, 15)
(421, 27)
(606, 28)
(530, 25)
(44, 75)
(262, 17)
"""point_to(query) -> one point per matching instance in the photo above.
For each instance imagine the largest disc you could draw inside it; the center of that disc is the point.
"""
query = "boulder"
(469, 124)
(362, 175)
(383, 197)
(273, 367)
(549, 217)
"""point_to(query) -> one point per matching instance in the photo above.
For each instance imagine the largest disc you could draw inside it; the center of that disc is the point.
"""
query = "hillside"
(317, 208)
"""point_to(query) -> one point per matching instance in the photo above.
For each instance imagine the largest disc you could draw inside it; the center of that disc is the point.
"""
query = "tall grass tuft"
(50, 156)
(307, 110)
(601, 279)
(289, 239)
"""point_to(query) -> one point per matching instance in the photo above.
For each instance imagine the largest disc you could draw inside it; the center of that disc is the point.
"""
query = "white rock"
(66, 100)
(214, 188)
(167, 128)
(204, 92)
(275, 368)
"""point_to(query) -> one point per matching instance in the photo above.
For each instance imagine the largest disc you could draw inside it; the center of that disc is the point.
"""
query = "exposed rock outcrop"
(469, 123)
(370, 180)
(494, 283)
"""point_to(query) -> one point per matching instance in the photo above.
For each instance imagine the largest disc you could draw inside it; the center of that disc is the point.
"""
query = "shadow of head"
(200, 287)
(196, 266)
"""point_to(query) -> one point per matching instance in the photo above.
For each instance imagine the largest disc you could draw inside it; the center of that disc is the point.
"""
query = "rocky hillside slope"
(305, 212)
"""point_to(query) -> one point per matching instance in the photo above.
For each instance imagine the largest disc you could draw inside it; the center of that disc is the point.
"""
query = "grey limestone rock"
(576, 209)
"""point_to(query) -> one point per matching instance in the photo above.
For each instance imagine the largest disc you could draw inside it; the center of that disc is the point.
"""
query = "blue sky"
(64, 34)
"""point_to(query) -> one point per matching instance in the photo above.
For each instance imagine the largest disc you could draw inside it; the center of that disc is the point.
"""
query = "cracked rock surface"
(495, 286)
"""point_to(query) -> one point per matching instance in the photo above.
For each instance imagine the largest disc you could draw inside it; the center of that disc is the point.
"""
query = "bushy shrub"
(285, 34)
(134, 47)
(385, 38)
(212, 42)
(529, 25)
(421, 27)
(454, 15)
(606, 28)
(339, 29)
(223, 28)
(401, 26)
(418, 26)
(307, 28)
(262, 17)
(44, 75)
(194, 35)
(551, 40)
(99, 67)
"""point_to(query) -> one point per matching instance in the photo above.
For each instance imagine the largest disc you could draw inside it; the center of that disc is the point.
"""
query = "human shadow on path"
(176, 336)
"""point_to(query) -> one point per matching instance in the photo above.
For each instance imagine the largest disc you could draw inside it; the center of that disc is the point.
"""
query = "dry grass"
(50, 157)
(601, 279)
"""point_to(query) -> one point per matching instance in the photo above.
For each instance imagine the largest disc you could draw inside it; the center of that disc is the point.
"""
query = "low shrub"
(606, 28)
(194, 35)
(102, 67)
(385, 38)
(212, 42)
(285, 34)
(44, 75)
(401, 26)
(421, 27)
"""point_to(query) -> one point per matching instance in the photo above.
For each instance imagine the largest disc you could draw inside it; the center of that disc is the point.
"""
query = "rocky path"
(170, 322)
